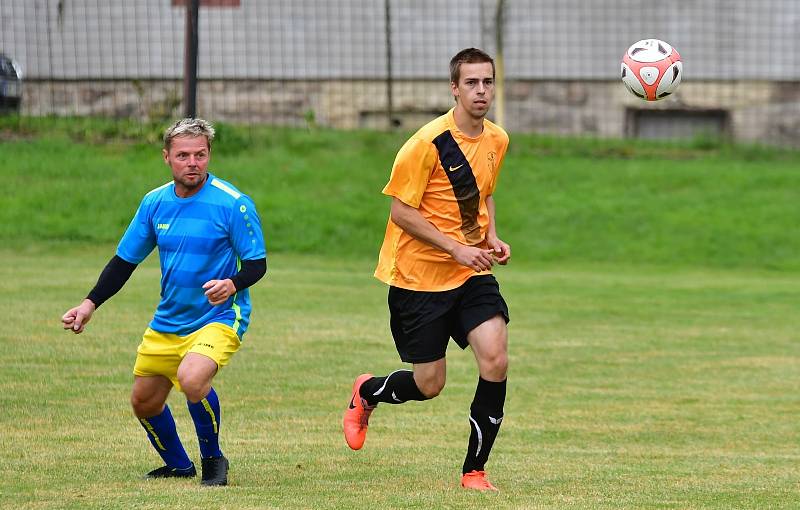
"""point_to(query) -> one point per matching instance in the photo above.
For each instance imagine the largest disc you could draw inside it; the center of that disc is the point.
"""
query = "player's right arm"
(111, 280)
(137, 242)
(76, 318)
(412, 222)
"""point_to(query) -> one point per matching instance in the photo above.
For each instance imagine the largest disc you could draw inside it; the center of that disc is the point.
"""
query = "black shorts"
(423, 322)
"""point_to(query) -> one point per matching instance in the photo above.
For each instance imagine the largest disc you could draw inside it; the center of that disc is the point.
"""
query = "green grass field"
(654, 295)
(628, 389)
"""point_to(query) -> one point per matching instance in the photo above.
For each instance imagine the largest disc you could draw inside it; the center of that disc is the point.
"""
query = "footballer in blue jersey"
(211, 250)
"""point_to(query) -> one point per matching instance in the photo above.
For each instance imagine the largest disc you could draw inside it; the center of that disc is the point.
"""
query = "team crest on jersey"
(491, 157)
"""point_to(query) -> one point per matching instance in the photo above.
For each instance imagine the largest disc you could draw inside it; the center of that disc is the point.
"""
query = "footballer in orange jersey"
(437, 256)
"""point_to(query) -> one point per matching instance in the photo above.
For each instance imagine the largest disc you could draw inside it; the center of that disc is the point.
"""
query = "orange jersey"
(447, 176)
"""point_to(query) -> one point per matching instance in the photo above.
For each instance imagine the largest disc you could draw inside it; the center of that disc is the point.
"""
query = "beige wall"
(759, 111)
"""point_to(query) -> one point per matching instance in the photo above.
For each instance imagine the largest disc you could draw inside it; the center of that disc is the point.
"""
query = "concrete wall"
(759, 111)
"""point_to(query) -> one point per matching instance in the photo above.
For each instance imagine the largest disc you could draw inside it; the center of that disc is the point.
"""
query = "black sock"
(395, 388)
(486, 414)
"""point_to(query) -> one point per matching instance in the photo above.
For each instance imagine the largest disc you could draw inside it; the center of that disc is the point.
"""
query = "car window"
(6, 69)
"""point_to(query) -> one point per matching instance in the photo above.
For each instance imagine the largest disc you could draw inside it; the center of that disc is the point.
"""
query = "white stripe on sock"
(480, 435)
(385, 382)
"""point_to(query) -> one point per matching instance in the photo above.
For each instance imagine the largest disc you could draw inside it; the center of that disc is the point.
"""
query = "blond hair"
(189, 127)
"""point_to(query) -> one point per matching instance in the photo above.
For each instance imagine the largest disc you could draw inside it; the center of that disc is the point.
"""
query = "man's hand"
(218, 291)
(76, 318)
(501, 251)
(472, 257)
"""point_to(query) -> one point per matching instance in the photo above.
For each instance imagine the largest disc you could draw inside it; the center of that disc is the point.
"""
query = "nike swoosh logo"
(352, 405)
(454, 168)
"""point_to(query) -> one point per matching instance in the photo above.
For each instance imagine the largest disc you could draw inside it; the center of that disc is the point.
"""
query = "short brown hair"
(468, 56)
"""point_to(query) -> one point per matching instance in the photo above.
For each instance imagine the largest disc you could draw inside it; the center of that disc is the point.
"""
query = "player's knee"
(495, 366)
(432, 386)
(144, 407)
(501, 366)
(195, 388)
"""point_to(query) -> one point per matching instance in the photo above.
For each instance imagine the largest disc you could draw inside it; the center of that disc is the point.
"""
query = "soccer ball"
(651, 69)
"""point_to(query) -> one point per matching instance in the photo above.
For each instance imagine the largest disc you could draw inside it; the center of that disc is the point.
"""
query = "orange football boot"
(356, 416)
(477, 480)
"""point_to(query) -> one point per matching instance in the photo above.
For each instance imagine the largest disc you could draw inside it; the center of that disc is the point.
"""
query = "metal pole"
(190, 59)
(500, 96)
(389, 92)
(49, 57)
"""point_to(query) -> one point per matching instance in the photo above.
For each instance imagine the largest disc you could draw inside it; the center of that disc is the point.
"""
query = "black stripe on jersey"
(465, 188)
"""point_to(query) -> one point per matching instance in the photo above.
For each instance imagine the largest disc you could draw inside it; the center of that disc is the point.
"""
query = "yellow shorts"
(161, 353)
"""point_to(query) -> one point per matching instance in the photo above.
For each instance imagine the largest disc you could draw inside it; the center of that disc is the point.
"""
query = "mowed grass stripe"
(319, 192)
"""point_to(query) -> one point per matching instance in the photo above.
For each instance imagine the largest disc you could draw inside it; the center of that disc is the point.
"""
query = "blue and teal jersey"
(200, 238)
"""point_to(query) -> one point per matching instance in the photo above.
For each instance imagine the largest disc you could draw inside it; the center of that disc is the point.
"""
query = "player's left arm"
(218, 291)
(247, 241)
(501, 249)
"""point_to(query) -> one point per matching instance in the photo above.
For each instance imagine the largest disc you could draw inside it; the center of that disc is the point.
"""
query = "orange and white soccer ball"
(651, 69)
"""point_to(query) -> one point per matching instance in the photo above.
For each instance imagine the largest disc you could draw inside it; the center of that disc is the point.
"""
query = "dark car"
(10, 84)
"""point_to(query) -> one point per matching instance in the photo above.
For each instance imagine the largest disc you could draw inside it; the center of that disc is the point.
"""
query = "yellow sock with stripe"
(205, 415)
(164, 437)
